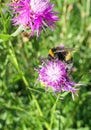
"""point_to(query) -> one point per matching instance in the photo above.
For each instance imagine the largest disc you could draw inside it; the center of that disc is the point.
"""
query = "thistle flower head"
(34, 14)
(54, 75)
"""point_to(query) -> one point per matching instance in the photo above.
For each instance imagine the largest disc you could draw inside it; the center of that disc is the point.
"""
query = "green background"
(26, 106)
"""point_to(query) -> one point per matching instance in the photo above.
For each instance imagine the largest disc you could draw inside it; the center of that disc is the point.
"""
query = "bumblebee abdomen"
(68, 58)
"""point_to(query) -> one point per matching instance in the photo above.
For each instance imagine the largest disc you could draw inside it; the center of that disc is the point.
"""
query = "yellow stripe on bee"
(51, 53)
(68, 56)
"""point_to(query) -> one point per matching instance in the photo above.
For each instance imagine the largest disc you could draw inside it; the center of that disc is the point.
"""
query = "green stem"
(18, 31)
(88, 7)
(12, 54)
(64, 29)
(53, 110)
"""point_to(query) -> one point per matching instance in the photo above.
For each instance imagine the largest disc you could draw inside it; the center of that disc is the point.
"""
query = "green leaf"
(64, 94)
(4, 37)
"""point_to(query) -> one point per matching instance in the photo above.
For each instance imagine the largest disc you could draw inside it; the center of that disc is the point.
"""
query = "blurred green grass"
(24, 106)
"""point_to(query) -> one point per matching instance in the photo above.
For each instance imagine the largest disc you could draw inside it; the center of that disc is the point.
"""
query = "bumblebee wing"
(65, 49)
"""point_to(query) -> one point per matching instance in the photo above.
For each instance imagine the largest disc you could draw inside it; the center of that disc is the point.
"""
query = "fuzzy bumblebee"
(62, 54)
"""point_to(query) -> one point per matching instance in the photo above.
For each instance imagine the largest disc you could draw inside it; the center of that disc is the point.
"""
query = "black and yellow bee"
(63, 54)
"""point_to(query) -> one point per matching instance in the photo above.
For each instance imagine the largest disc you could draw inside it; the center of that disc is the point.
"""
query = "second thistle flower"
(34, 14)
(54, 75)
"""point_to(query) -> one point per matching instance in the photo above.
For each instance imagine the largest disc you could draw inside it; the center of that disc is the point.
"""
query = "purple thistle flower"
(34, 14)
(53, 74)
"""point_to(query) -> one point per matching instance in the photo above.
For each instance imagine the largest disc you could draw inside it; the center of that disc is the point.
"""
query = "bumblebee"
(63, 54)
